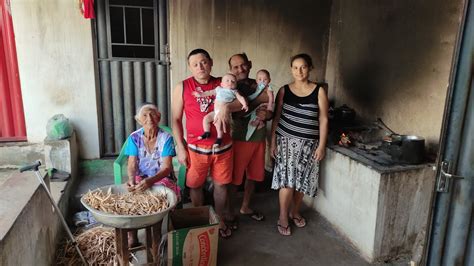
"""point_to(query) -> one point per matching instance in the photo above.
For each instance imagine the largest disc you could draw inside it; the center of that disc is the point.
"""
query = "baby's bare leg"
(218, 141)
(219, 127)
(220, 132)
(270, 99)
(206, 122)
(206, 125)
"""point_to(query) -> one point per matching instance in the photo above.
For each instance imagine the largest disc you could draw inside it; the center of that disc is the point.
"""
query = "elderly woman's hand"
(131, 185)
(144, 185)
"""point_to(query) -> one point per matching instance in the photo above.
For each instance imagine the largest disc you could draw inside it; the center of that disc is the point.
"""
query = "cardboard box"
(193, 237)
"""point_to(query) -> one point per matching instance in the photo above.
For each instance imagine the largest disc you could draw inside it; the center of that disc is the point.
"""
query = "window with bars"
(132, 28)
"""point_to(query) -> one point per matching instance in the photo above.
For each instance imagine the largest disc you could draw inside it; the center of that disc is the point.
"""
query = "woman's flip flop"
(299, 222)
(284, 230)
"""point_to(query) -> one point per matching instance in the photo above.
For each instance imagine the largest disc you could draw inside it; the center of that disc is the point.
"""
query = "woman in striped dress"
(299, 135)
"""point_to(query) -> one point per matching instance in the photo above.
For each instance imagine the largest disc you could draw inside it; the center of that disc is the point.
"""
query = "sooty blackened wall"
(391, 59)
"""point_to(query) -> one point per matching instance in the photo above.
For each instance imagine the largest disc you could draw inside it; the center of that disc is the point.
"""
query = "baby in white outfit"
(225, 93)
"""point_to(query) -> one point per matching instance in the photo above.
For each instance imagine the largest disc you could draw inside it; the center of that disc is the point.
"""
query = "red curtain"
(12, 120)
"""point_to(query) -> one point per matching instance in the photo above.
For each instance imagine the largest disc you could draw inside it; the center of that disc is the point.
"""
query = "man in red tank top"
(199, 157)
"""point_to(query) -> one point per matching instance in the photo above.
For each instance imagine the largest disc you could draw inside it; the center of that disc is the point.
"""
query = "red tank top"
(196, 108)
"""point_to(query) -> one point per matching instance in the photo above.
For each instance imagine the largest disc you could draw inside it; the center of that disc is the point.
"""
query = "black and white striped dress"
(297, 137)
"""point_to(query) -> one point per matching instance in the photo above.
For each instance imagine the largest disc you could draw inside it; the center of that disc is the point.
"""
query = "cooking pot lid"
(397, 137)
(412, 137)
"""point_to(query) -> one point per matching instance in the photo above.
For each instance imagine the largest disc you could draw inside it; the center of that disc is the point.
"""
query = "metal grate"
(134, 74)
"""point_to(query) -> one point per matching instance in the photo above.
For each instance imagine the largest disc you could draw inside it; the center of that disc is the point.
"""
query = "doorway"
(133, 65)
(451, 239)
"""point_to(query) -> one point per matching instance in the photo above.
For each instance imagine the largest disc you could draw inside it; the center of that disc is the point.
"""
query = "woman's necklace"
(302, 89)
(302, 86)
(149, 143)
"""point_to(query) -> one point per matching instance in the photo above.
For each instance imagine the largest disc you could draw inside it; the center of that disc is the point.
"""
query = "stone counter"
(381, 212)
(29, 227)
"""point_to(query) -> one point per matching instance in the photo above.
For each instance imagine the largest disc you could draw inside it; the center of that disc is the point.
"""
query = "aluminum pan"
(132, 221)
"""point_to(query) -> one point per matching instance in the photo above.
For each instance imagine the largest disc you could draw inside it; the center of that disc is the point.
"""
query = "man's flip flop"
(225, 232)
(233, 224)
(255, 215)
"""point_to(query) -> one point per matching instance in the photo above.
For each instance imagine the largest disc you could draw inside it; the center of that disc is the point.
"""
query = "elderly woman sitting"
(150, 150)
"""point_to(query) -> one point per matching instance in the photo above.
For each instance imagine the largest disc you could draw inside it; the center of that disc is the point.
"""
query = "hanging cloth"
(87, 8)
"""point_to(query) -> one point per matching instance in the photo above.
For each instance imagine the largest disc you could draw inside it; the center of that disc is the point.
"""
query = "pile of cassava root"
(135, 203)
(97, 245)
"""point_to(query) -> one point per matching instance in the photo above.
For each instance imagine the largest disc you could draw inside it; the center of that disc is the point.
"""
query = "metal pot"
(403, 148)
(344, 114)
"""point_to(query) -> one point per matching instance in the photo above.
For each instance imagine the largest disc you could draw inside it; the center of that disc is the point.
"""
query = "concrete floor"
(258, 243)
(92, 174)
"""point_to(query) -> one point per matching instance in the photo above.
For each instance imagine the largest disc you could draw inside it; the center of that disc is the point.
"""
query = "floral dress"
(149, 163)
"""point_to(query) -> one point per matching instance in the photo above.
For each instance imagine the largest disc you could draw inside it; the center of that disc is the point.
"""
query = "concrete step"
(16, 154)
(58, 154)
(56, 188)
(28, 219)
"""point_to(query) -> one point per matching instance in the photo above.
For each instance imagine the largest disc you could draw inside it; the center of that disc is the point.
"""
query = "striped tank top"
(299, 115)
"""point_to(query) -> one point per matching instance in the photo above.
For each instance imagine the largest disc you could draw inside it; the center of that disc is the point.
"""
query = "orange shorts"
(249, 158)
(203, 162)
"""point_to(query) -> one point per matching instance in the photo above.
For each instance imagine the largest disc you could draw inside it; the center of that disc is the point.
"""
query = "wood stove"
(379, 204)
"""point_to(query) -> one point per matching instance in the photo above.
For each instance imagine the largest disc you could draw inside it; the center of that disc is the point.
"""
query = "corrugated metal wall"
(126, 83)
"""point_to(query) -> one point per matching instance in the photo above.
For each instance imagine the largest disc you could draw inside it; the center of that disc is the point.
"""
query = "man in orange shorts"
(249, 155)
(198, 155)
